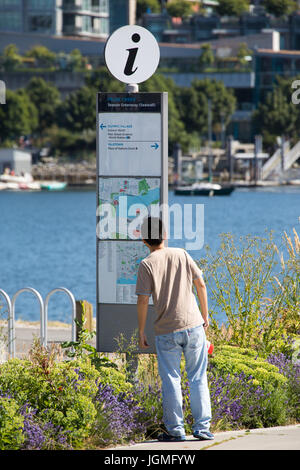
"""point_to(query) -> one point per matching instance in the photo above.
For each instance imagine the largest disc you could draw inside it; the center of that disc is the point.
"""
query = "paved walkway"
(277, 438)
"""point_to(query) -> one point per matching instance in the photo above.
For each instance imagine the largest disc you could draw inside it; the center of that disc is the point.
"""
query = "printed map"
(129, 201)
(118, 267)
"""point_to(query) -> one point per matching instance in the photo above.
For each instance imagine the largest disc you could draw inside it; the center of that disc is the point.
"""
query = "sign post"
(132, 181)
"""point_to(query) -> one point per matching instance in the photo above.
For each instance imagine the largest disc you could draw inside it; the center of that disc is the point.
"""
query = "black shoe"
(203, 435)
(164, 437)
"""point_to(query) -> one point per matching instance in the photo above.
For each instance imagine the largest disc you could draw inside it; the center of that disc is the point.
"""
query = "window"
(104, 26)
(86, 23)
(104, 6)
(10, 3)
(10, 21)
(40, 23)
(41, 4)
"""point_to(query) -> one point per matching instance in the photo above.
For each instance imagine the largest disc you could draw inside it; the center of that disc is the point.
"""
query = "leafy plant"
(11, 425)
(83, 349)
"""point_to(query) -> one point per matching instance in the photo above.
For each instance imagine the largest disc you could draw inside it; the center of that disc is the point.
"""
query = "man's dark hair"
(152, 231)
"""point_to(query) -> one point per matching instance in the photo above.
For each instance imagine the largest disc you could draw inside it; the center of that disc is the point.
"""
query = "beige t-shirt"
(167, 274)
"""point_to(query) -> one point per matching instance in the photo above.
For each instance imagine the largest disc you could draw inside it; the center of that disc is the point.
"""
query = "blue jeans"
(169, 348)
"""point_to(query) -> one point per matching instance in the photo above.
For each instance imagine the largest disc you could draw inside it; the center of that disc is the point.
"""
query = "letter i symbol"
(131, 56)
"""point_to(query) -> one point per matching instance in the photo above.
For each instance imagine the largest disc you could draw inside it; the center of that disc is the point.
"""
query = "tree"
(207, 57)
(179, 8)
(78, 112)
(11, 57)
(76, 60)
(18, 116)
(147, 6)
(280, 7)
(192, 103)
(46, 98)
(102, 80)
(277, 115)
(44, 57)
(243, 52)
(232, 7)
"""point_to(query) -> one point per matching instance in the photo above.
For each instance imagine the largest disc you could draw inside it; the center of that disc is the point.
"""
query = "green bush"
(234, 360)
(11, 425)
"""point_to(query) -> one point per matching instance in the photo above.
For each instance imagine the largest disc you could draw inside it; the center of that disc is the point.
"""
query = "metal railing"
(73, 302)
(43, 315)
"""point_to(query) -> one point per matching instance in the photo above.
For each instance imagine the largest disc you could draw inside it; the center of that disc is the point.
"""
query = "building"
(84, 18)
(120, 16)
(209, 27)
(15, 160)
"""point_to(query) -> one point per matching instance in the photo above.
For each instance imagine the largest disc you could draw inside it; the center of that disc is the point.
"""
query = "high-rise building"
(121, 13)
(91, 18)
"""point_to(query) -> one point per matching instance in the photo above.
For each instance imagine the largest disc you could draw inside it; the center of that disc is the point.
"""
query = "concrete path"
(277, 438)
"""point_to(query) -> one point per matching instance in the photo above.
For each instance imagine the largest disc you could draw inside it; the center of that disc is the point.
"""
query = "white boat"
(18, 183)
(9, 178)
(204, 189)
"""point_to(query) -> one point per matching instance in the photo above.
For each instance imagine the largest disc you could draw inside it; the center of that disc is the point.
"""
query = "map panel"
(117, 270)
(123, 203)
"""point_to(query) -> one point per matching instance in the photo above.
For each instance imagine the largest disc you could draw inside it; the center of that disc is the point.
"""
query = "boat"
(53, 185)
(204, 189)
(17, 183)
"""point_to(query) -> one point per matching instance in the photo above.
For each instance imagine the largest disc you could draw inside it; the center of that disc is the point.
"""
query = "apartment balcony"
(79, 10)
(79, 31)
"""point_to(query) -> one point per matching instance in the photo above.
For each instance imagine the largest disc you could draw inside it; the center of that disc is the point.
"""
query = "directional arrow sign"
(102, 126)
(155, 146)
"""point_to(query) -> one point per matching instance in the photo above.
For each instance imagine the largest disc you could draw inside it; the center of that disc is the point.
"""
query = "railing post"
(42, 324)
(84, 317)
(72, 298)
(10, 320)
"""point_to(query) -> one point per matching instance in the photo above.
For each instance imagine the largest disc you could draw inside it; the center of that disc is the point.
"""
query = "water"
(48, 239)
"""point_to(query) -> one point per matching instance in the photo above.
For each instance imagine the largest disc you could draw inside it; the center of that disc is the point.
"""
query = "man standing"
(168, 274)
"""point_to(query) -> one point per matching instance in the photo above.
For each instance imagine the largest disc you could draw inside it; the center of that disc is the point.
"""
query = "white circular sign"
(132, 54)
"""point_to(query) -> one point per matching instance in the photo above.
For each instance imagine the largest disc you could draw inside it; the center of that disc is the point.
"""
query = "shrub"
(234, 360)
(120, 417)
(11, 425)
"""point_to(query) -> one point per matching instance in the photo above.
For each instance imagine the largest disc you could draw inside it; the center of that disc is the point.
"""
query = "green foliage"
(233, 360)
(61, 394)
(11, 425)
(192, 103)
(101, 80)
(179, 8)
(43, 56)
(46, 99)
(280, 7)
(207, 57)
(78, 112)
(277, 115)
(232, 7)
(142, 6)
(18, 116)
(243, 52)
(76, 60)
(11, 58)
(260, 304)
(82, 349)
